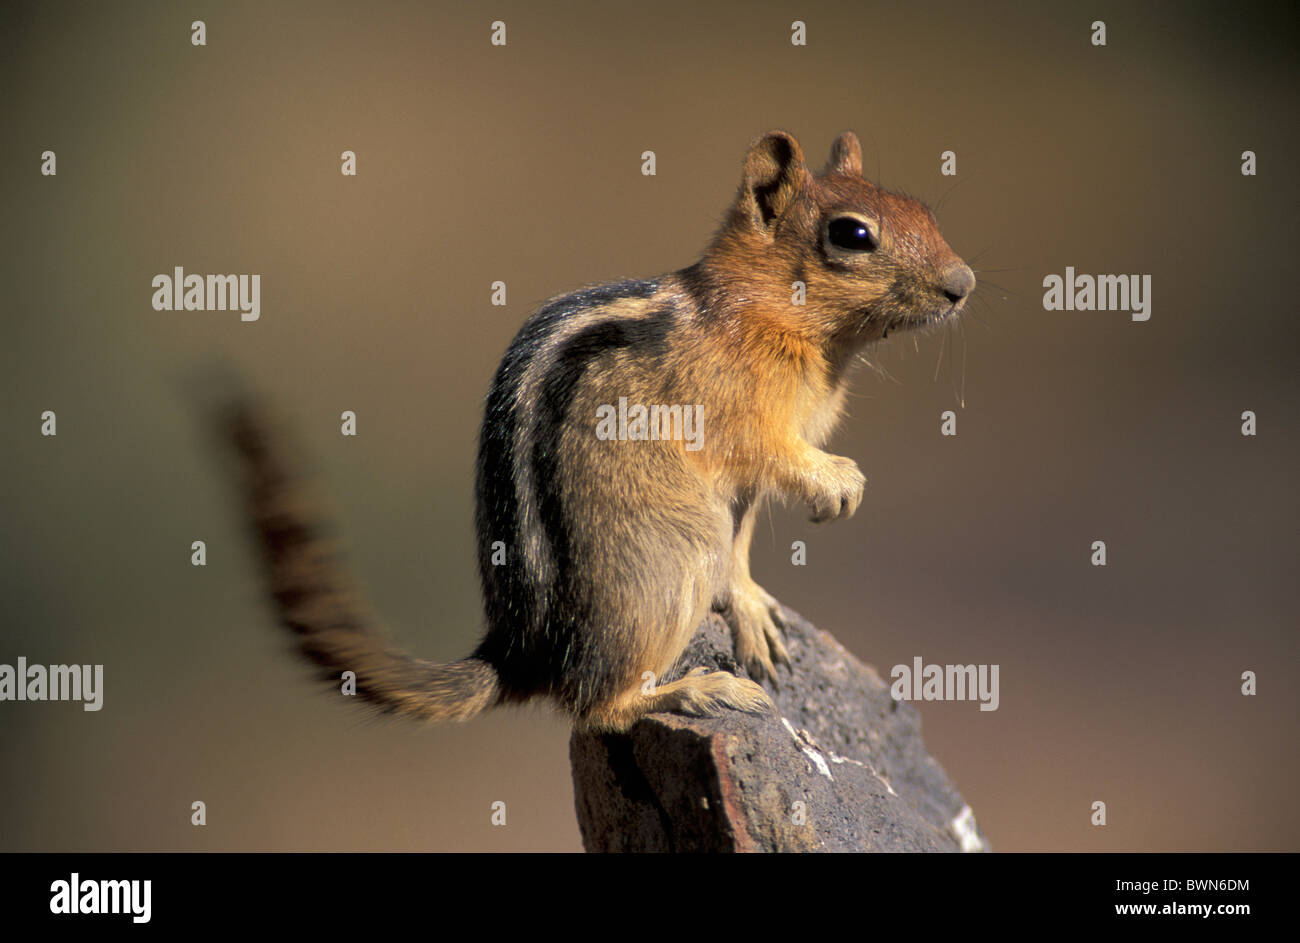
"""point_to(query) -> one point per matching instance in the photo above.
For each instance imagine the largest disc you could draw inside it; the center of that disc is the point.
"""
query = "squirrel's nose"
(958, 282)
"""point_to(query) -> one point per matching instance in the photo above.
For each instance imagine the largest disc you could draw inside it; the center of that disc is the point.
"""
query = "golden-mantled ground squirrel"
(600, 553)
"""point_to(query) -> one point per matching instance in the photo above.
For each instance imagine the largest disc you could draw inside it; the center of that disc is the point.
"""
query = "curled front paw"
(836, 489)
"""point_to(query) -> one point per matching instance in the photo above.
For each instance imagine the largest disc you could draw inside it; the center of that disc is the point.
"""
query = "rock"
(838, 743)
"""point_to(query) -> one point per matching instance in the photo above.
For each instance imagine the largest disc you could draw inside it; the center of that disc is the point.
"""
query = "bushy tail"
(316, 599)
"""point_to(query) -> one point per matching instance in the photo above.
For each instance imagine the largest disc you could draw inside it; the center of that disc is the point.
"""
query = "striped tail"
(317, 601)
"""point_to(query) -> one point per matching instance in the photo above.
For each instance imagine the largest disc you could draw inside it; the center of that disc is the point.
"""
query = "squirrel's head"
(872, 262)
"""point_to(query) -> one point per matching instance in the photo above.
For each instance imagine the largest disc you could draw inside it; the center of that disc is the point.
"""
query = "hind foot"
(754, 617)
(701, 693)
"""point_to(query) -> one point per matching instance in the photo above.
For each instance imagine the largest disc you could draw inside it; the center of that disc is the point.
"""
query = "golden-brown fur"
(614, 550)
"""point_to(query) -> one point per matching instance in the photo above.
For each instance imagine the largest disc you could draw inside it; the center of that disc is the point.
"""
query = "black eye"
(852, 234)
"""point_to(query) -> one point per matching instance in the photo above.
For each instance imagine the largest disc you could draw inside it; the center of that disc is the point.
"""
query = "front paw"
(835, 489)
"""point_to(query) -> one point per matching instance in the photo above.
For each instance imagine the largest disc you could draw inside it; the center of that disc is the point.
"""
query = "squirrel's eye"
(853, 234)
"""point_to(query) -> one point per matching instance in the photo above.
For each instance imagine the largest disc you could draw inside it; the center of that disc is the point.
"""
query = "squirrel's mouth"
(897, 316)
(903, 322)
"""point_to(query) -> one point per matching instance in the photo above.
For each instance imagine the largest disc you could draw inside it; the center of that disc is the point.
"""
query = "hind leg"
(650, 639)
(701, 693)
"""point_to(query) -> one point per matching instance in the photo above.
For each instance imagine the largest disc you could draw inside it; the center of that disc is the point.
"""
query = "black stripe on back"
(699, 286)
(510, 607)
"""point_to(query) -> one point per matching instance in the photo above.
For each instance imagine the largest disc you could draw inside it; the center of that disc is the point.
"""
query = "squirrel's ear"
(846, 156)
(774, 173)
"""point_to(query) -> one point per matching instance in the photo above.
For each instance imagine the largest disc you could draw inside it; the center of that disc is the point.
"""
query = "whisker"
(973, 315)
(942, 344)
(1002, 288)
(965, 346)
(877, 369)
(938, 206)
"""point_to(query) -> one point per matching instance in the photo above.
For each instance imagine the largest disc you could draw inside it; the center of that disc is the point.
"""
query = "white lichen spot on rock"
(966, 832)
(818, 760)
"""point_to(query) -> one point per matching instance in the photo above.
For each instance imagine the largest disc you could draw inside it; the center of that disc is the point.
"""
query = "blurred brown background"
(522, 163)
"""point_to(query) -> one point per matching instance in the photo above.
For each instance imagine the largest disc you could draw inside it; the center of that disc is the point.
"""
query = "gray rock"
(838, 743)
